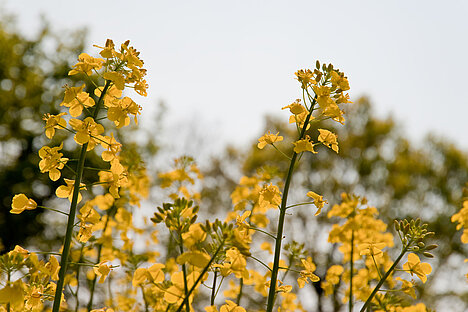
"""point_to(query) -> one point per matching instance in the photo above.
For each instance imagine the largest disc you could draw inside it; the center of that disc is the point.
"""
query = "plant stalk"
(279, 235)
(72, 213)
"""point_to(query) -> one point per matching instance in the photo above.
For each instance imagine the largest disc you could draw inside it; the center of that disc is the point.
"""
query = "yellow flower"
(318, 201)
(117, 78)
(86, 65)
(196, 258)
(268, 138)
(87, 131)
(52, 268)
(176, 292)
(328, 139)
(108, 51)
(194, 235)
(155, 273)
(296, 108)
(66, 191)
(305, 77)
(414, 265)
(407, 287)
(231, 306)
(240, 220)
(339, 81)
(75, 99)
(234, 263)
(52, 161)
(308, 273)
(371, 249)
(113, 147)
(33, 296)
(304, 145)
(270, 197)
(120, 109)
(20, 203)
(103, 310)
(114, 181)
(140, 87)
(102, 271)
(323, 96)
(53, 122)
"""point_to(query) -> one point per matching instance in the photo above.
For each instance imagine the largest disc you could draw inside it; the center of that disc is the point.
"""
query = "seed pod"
(397, 225)
(429, 255)
(317, 64)
(421, 245)
(430, 247)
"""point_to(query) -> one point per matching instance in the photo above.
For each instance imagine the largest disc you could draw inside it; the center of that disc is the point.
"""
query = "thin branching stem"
(205, 269)
(382, 280)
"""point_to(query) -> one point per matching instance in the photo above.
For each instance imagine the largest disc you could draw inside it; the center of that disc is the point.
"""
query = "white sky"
(228, 63)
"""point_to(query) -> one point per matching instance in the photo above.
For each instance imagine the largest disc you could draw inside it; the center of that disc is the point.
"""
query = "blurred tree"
(376, 160)
(32, 72)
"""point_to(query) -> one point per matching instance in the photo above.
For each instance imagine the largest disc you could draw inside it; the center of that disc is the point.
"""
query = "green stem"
(262, 231)
(184, 270)
(301, 204)
(351, 264)
(144, 299)
(279, 235)
(72, 213)
(382, 280)
(239, 296)
(272, 144)
(213, 289)
(261, 262)
(52, 209)
(205, 269)
(375, 264)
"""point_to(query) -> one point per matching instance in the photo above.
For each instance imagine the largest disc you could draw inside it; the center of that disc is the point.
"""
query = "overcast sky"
(228, 63)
